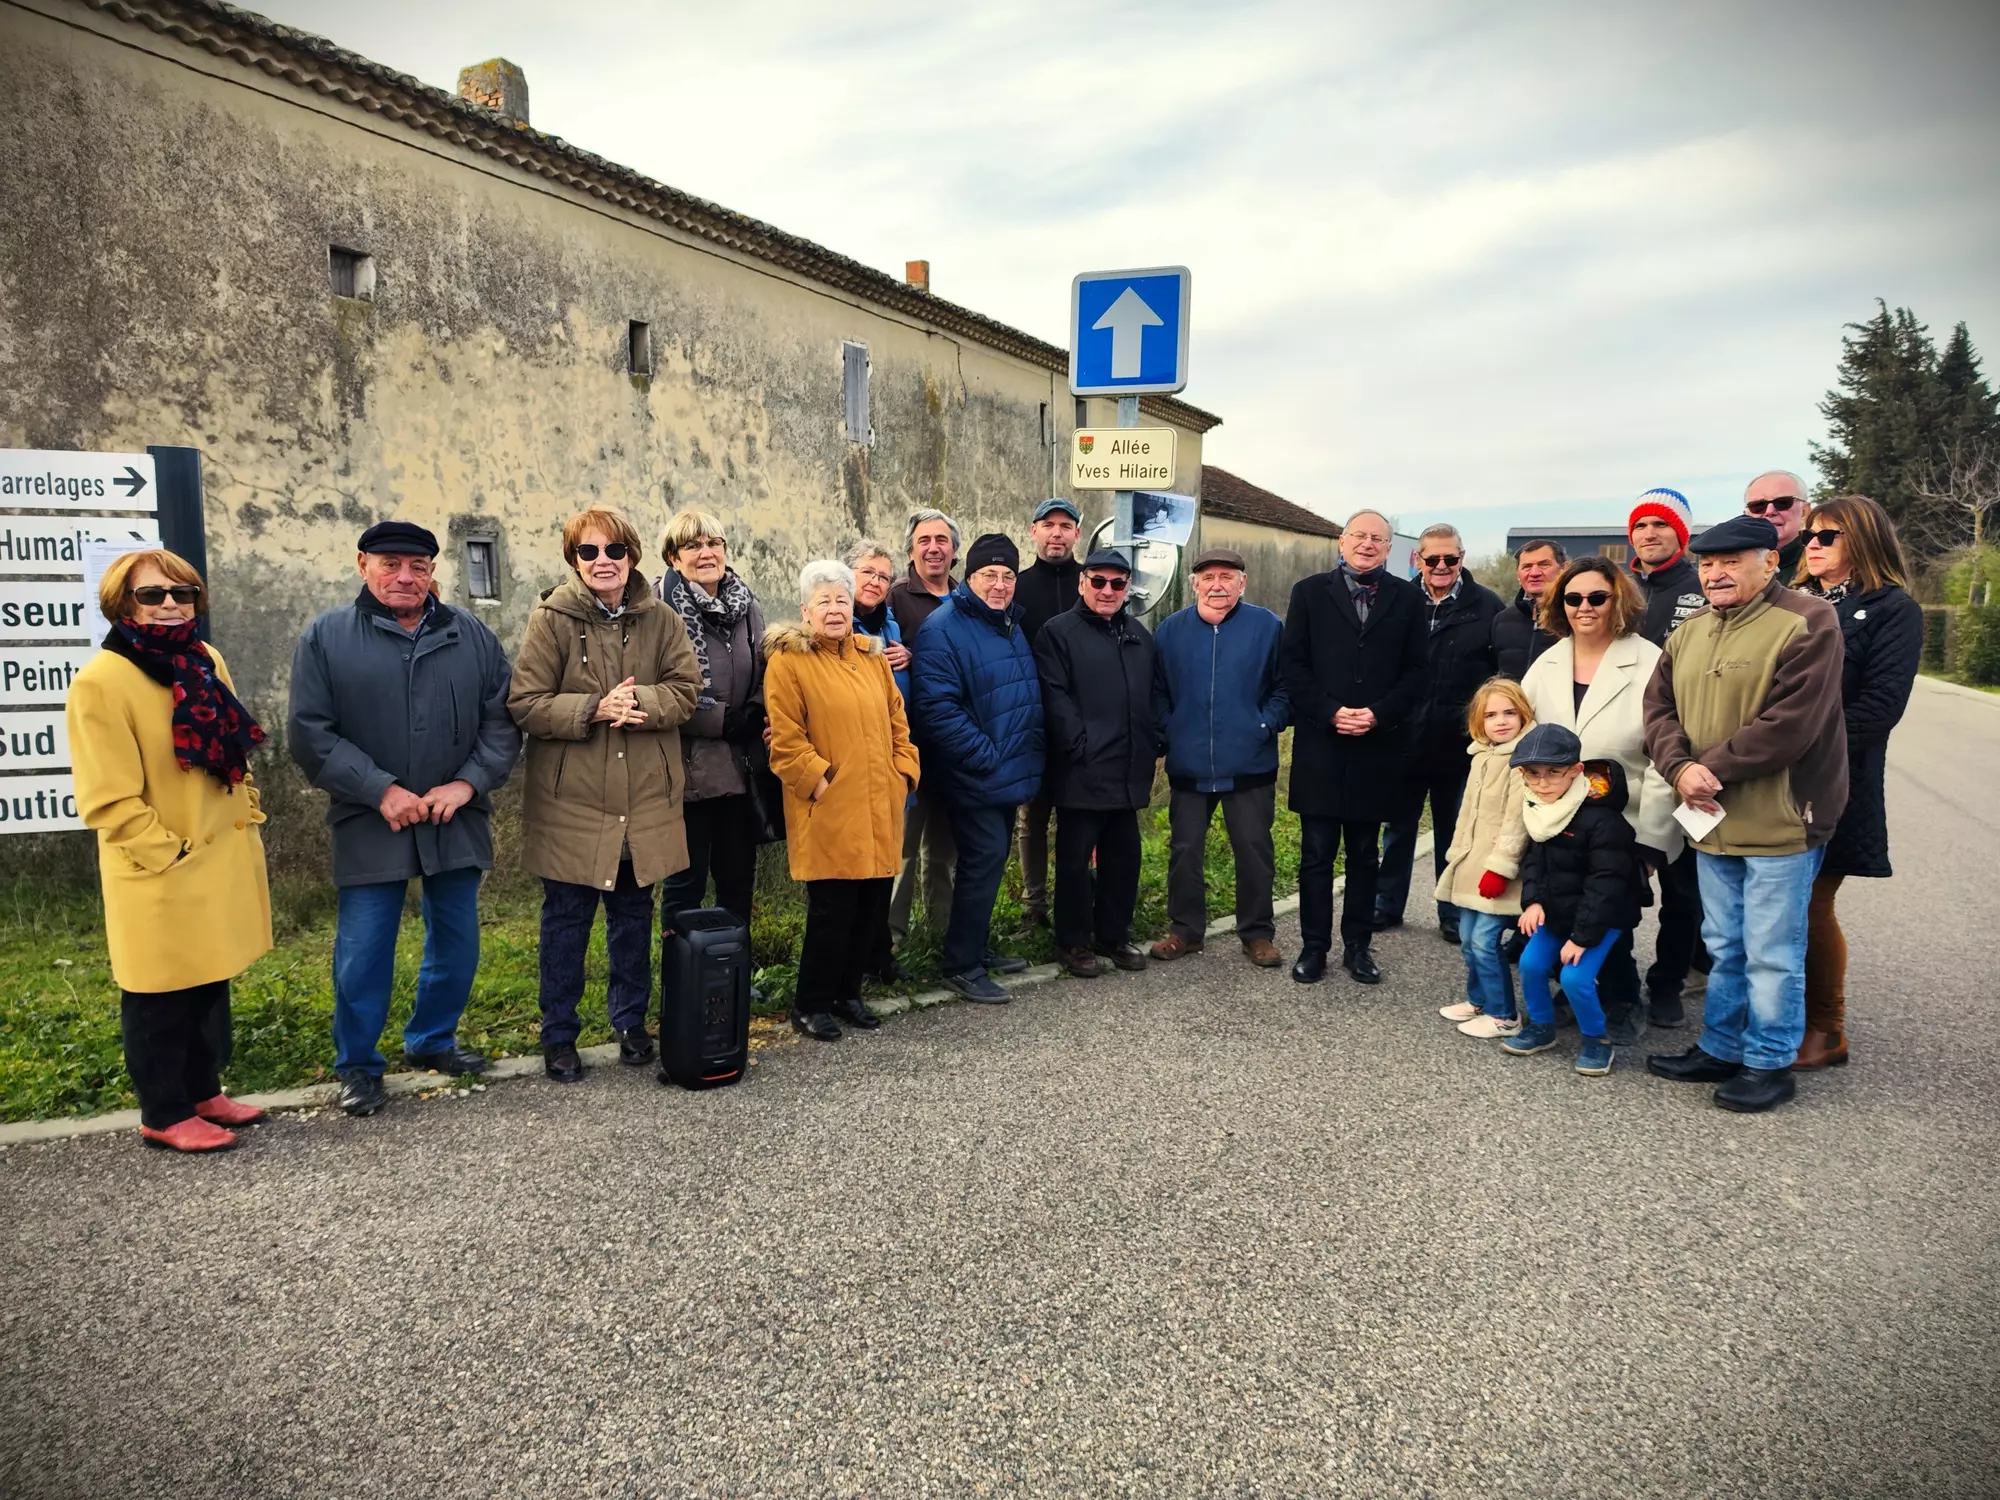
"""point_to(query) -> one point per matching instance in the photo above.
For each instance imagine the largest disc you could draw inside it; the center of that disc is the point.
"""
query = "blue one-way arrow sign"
(1128, 331)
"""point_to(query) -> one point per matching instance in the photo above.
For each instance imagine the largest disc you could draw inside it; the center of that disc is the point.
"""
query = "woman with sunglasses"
(604, 680)
(1593, 681)
(161, 748)
(1855, 563)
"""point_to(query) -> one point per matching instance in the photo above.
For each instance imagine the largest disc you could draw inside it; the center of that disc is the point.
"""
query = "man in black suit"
(1355, 664)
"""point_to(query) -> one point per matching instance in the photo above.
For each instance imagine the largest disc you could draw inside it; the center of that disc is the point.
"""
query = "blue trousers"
(1579, 980)
(364, 966)
(568, 913)
(1489, 978)
(983, 835)
(1753, 921)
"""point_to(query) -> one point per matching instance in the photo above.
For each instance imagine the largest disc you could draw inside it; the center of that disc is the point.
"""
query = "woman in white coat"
(1593, 681)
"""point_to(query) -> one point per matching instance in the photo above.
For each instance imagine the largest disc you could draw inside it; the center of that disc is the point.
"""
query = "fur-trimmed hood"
(791, 635)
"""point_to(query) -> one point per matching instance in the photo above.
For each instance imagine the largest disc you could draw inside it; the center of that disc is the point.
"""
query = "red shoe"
(223, 1110)
(192, 1134)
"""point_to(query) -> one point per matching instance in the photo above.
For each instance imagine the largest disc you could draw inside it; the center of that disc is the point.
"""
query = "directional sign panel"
(38, 804)
(33, 740)
(40, 675)
(54, 546)
(1128, 331)
(43, 479)
(45, 612)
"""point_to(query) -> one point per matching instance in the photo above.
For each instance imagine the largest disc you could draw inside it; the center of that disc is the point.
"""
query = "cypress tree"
(1970, 409)
(1885, 417)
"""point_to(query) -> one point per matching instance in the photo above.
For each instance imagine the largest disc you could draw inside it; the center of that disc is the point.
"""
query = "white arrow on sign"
(1128, 319)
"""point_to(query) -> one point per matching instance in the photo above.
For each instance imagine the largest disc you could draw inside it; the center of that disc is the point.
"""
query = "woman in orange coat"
(161, 751)
(841, 746)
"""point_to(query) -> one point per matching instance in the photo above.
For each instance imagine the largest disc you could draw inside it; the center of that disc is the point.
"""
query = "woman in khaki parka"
(604, 679)
(841, 746)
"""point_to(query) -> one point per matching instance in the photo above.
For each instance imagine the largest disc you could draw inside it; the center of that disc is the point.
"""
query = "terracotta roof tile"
(1233, 499)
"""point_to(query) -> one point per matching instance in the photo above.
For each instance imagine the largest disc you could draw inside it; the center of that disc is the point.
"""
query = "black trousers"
(1096, 905)
(1444, 786)
(175, 1048)
(568, 913)
(1319, 842)
(1677, 947)
(844, 920)
(722, 840)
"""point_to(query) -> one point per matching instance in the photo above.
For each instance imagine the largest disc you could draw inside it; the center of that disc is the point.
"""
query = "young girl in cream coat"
(1483, 865)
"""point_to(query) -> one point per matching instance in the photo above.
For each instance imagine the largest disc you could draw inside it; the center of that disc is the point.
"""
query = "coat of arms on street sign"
(1087, 441)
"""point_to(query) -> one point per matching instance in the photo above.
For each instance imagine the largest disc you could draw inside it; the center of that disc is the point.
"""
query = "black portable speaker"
(704, 999)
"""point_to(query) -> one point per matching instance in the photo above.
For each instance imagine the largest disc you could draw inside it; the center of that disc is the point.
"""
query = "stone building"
(1280, 542)
(359, 296)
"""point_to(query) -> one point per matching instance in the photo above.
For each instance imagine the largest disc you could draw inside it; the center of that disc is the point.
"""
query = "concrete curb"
(1959, 690)
(321, 1095)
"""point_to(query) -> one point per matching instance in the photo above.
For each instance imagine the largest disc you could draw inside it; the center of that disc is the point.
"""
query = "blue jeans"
(1753, 922)
(1489, 979)
(364, 966)
(983, 835)
(568, 913)
(1579, 980)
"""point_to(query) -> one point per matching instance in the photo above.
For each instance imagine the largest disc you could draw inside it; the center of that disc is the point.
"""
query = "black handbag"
(766, 792)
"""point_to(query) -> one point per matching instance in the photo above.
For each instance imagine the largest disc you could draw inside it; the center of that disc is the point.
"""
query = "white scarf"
(1547, 819)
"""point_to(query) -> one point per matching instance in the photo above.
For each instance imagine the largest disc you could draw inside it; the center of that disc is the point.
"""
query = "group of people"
(1719, 724)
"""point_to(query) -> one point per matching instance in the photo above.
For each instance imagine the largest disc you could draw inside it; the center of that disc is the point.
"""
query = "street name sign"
(1128, 331)
(43, 479)
(1121, 458)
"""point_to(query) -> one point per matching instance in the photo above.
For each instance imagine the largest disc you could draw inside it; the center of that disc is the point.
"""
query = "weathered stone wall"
(1275, 559)
(164, 279)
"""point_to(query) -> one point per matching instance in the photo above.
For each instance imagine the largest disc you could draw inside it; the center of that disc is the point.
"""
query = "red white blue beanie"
(1668, 505)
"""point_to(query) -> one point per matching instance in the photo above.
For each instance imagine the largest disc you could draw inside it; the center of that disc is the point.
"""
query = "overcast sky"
(1498, 265)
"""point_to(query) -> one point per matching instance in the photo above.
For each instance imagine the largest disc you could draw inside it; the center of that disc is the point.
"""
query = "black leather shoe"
(454, 1060)
(1667, 1011)
(1691, 1066)
(893, 972)
(560, 1062)
(1127, 956)
(1623, 1026)
(635, 1047)
(855, 1014)
(362, 1094)
(818, 1025)
(1382, 921)
(1360, 963)
(1754, 1090)
(1311, 967)
(1000, 963)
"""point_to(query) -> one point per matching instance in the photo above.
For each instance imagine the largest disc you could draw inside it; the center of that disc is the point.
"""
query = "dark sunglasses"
(614, 550)
(1826, 536)
(153, 596)
(1112, 583)
(1443, 560)
(1596, 599)
(1782, 503)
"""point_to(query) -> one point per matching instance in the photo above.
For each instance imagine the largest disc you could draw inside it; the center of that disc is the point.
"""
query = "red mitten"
(1491, 885)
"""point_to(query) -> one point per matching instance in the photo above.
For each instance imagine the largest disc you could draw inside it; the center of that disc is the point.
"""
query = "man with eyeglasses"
(399, 714)
(1047, 588)
(1354, 658)
(1458, 613)
(1779, 496)
(1096, 666)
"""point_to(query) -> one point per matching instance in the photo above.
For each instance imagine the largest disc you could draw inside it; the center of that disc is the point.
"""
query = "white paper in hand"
(1697, 823)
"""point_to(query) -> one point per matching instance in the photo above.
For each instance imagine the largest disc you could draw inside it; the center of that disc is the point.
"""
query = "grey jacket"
(714, 742)
(371, 707)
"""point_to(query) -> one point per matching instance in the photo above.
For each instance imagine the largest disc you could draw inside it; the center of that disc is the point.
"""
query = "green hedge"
(1975, 654)
(1937, 626)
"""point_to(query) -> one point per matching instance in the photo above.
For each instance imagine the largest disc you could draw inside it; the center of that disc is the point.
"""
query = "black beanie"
(991, 549)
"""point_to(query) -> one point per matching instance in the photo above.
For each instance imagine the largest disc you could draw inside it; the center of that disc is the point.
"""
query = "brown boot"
(1080, 962)
(1173, 946)
(1822, 1049)
(1262, 952)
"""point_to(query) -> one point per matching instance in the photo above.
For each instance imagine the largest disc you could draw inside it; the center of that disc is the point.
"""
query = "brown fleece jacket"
(1753, 693)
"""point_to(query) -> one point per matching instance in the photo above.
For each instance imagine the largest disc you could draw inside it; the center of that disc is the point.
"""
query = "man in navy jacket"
(1218, 696)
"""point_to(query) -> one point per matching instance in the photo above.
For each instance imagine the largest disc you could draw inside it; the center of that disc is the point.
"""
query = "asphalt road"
(1193, 1233)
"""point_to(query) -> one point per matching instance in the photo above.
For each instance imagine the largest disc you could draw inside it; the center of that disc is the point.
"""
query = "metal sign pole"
(183, 528)
(1121, 526)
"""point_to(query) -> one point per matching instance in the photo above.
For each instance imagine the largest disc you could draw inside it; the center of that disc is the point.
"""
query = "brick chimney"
(918, 274)
(496, 85)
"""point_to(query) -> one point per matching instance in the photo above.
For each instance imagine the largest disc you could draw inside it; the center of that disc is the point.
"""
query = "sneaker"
(1530, 1038)
(362, 1093)
(977, 986)
(1465, 1010)
(1486, 1028)
(1594, 1056)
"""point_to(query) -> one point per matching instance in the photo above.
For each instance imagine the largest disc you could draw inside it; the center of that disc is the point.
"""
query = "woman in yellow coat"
(161, 748)
(841, 746)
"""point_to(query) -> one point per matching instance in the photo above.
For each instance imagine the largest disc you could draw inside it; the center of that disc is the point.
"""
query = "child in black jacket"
(1580, 881)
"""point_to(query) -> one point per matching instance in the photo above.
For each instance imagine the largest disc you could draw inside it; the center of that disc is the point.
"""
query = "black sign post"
(183, 528)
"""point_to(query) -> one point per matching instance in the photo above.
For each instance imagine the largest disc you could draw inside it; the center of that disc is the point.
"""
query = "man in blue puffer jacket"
(976, 707)
(1217, 691)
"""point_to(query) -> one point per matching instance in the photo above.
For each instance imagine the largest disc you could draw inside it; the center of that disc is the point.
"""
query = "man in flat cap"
(1220, 700)
(1096, 664)
(399, 714)
(1743, 718)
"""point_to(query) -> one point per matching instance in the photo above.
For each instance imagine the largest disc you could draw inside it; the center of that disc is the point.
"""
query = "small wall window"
(482, 569)
(351, 273)
(854, 393)
(639, 350)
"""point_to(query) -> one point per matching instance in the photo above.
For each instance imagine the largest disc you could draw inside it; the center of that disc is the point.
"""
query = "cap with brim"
(403, 538)
(1108, 557)
(1217, 557)
(1056, 503)
(1547, 745)
(1737, 534)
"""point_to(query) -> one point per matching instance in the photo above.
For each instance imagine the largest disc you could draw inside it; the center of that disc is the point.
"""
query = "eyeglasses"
(614, 550)
(1596, 599)
(153, 596)
(1443, 560)
(875, 573)
(1781, 504)
(705, 544)
(1109, 583)
(1826, 536)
